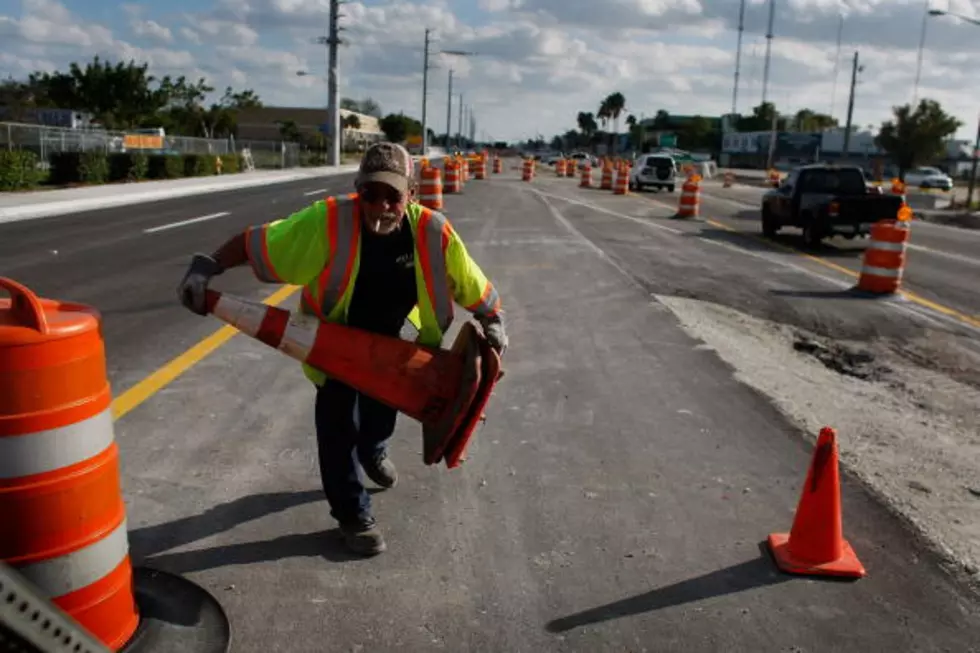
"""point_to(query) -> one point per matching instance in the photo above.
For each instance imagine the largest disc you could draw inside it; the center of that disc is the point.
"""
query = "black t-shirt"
(384, 291)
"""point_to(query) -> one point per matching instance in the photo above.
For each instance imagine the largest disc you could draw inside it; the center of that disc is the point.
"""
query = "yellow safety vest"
(319, 248)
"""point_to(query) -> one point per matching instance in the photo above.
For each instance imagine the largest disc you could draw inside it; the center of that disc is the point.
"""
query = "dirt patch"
(912, 435)
(852, 361)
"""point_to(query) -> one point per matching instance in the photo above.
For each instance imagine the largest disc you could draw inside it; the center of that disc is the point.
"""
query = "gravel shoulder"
(910, 434)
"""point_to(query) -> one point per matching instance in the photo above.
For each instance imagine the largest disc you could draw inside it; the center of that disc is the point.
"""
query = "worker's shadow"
(146, 544)
(752, 574)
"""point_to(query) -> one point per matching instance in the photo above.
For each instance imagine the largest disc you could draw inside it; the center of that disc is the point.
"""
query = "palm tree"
(616, 103)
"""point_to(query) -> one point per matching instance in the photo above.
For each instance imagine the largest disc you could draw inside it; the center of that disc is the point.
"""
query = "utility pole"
(449, 109)
(973, 170)
(459, 133)
(850, 109)
(840, 35)
(333, 101)
(425, 93)
(765, 70)
(738, 56)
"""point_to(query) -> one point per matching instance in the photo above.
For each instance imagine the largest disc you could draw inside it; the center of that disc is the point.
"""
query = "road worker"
(370, 260)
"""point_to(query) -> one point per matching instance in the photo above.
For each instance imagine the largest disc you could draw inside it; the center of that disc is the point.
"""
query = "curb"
(78, 205)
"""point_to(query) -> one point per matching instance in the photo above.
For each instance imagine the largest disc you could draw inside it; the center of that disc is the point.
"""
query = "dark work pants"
(350, 427)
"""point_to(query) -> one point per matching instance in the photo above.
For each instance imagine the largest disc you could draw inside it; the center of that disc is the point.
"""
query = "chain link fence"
(44, 141)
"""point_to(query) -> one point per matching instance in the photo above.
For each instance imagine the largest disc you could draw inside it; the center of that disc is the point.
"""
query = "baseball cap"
(388, 163)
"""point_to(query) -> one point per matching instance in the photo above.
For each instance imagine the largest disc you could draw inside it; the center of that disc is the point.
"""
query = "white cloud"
(539, 62)
(152, 30)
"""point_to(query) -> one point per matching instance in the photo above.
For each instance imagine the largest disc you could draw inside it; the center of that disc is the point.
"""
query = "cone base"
(176, 615)
(847, 566)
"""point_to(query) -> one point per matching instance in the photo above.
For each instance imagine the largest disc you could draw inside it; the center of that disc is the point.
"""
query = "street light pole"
(850, 109)
(976, 143)
(459, 132)
(449, 109)
(922, 44)
(973, 169)
(425, 93)
(449, 95)
(333, 108)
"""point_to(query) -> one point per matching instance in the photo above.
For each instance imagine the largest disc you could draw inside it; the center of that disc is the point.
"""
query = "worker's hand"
(493, 329)
(194, 285)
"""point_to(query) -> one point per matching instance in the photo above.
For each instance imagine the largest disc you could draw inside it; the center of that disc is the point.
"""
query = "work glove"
(493, 329)
(194, 285)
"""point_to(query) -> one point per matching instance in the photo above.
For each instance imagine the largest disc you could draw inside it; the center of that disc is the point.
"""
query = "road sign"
(668, 140)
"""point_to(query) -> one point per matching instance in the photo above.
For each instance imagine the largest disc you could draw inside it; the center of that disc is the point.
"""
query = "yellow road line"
(907, 294)
(156, 381)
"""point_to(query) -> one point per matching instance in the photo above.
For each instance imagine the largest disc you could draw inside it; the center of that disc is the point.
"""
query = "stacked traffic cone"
(444, 390)
(815, 546)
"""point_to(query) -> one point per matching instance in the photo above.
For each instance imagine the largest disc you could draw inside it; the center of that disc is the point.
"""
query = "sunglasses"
(375, 194)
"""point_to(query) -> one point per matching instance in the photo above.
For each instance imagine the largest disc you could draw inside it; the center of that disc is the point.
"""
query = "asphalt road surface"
(942, 264)
(615, 500)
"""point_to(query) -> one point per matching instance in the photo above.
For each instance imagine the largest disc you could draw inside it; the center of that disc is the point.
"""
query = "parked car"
(826, 200)
(655, 171)
(928, 177)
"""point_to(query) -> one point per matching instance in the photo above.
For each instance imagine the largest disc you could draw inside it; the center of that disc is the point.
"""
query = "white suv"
(654, 170)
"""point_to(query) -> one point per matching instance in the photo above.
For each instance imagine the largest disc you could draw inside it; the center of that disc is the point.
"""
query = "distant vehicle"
(653, 170)
(928, 177)
(826, 200)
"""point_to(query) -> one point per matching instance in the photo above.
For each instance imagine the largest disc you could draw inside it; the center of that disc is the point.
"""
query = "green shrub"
(198, 165)
(19, 170)
(230, 163)
(79, 168)
(128, 166)
(165, 166)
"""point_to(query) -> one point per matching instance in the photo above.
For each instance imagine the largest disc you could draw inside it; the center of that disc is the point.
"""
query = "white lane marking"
(318, 191)
(898, 304)
(949, 255)
(173, 225)
(646, 223)
(578, 235)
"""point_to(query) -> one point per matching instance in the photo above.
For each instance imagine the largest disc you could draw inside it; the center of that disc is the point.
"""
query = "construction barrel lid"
(26, 319)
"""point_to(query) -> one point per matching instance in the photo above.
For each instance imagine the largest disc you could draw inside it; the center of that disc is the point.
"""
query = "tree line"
(912, 136)
(124, 96)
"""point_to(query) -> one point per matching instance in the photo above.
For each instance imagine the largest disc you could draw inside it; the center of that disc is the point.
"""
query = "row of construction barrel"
(457, 170)
(615, 177)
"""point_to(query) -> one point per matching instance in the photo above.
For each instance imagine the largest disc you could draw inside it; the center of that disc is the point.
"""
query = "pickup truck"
(826, 200)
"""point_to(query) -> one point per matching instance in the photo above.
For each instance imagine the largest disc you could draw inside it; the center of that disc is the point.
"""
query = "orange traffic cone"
(444, 390)
(815, 545)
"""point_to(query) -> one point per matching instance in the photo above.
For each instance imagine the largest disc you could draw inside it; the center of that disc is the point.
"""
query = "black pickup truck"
(826, 200)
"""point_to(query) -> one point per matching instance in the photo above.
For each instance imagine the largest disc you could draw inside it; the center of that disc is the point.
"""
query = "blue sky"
(541, 61)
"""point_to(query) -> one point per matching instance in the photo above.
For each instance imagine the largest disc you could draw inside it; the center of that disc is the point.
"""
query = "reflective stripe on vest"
(432, 235)
(432, 242)
(343, 231)
(488, 304)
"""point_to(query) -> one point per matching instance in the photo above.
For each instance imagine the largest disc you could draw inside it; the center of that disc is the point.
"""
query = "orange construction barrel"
(64, 521)
(62, 516)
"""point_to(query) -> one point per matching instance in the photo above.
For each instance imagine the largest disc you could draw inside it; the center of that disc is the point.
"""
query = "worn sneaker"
(381, 470)
(363, 538)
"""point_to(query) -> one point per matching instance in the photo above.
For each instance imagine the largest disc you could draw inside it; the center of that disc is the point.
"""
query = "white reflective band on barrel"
(44, 451)
(881, 272)
(886, 246)
(245, 316)
(298, 338)
(81, 568)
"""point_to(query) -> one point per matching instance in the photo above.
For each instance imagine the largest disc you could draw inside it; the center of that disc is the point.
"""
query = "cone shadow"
(752, 574)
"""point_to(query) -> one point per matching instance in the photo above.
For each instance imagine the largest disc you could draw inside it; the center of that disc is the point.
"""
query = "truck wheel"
(811, 237)
(769, 226)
